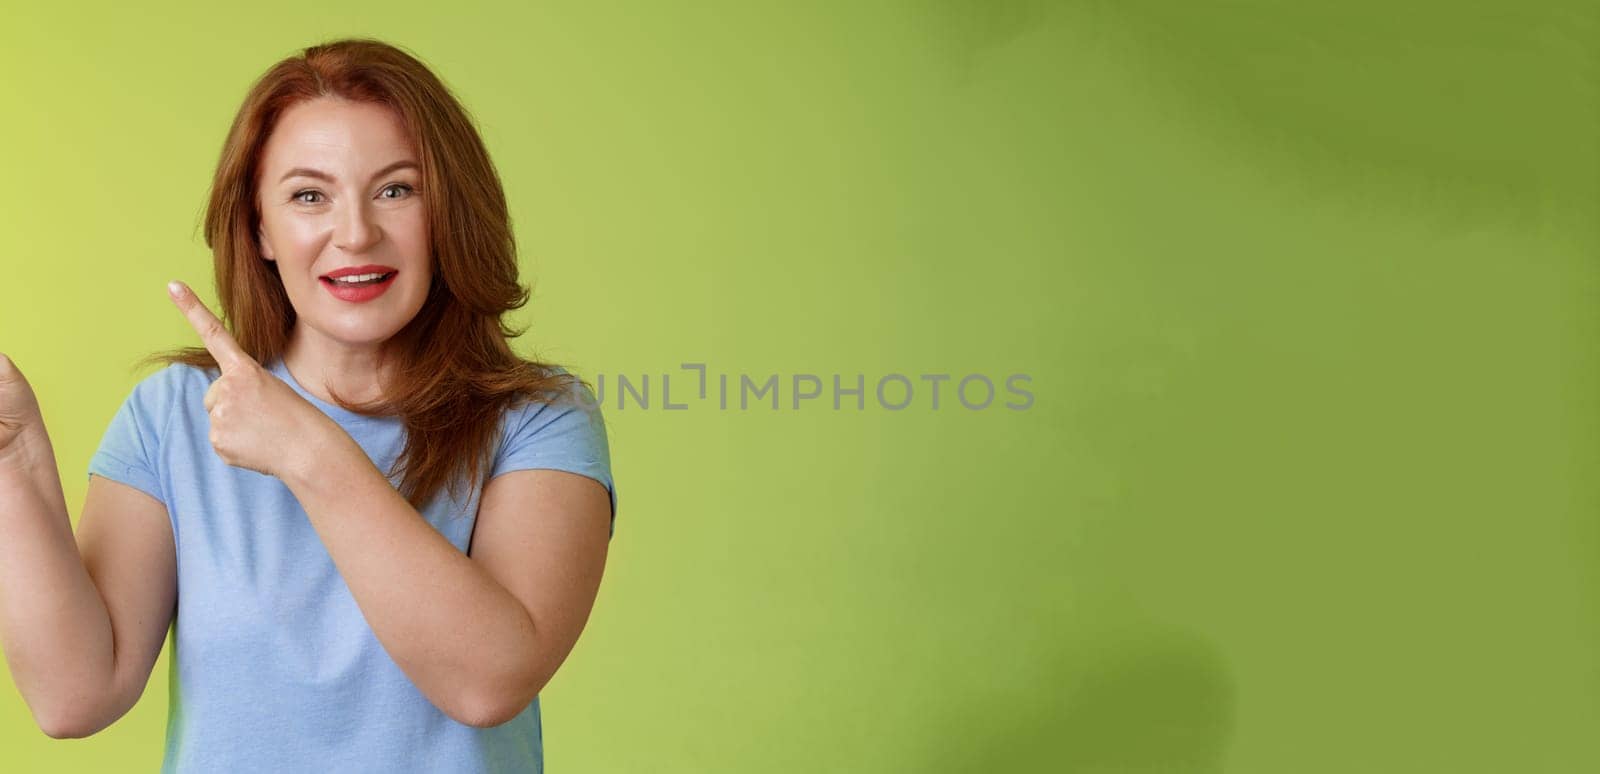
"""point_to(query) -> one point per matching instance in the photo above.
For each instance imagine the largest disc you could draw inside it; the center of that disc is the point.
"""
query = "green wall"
(1306, 292)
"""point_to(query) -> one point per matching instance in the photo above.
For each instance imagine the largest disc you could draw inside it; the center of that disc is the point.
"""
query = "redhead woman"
(373, 530)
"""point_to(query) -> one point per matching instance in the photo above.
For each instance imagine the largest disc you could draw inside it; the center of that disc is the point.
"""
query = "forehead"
(336, 135)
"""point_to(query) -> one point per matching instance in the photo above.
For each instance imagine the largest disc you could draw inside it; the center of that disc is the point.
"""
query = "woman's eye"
(299, 196)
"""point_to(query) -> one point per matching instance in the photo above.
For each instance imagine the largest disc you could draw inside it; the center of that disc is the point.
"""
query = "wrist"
(325, 447)
(29, 453)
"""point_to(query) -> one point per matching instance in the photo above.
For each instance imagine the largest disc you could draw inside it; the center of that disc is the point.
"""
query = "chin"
(361, 328)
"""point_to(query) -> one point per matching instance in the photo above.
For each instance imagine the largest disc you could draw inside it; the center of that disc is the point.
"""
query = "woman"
(387, 528)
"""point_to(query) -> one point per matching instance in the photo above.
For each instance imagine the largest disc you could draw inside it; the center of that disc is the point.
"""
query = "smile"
(358, 292)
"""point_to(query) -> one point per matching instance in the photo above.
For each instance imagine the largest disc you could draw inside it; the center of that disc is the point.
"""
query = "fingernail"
(173, 288)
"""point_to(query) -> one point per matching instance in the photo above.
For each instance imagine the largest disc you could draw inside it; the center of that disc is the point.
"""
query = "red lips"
(371, 268)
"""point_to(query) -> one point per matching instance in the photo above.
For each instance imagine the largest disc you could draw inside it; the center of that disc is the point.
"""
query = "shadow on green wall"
(1136, 697)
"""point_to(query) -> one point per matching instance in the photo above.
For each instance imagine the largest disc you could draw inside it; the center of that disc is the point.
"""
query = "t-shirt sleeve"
(130, 449)
(569, 435)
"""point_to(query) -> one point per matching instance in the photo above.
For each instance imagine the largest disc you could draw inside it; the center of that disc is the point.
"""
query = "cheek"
(411, 240)
(296, 242)
(412, 233)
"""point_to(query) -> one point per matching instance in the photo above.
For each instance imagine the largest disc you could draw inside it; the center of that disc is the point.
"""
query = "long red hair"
(455, 372)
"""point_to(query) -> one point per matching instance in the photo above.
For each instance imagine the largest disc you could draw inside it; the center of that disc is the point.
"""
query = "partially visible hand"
(19, 407)
(257, 421)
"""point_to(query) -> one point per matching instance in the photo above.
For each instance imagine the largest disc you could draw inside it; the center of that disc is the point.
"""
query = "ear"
(261, 241)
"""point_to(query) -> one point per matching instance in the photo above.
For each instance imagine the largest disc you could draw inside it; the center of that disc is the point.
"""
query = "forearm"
(463, 639)
(54, 626)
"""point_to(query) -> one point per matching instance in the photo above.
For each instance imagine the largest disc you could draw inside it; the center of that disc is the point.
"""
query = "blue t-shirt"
(274, 668)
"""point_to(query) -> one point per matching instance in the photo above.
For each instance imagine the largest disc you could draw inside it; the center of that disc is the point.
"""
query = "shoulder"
(158, 392)
(573, 395)
(181, 377)
(560, 431)
(570, 415)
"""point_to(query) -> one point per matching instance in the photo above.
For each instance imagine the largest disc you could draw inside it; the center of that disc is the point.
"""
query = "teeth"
(356, 278)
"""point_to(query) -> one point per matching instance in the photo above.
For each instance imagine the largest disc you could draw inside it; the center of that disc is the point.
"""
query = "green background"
(1307, 291)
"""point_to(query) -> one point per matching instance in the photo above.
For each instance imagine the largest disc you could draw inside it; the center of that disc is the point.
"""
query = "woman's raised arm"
(55, 627)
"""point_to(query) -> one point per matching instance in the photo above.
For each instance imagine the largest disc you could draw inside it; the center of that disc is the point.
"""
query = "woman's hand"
(19, 410)
(257, 421)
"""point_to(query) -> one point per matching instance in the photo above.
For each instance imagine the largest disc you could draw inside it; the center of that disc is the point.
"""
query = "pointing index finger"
(213, 335)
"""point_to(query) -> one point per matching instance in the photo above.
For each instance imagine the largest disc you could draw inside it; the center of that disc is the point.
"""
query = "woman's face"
(340, 187)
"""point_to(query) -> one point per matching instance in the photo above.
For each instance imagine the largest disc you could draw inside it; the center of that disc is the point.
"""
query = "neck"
(323, 366)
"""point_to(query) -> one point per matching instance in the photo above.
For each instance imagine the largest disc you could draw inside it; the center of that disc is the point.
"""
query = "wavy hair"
(455, 371)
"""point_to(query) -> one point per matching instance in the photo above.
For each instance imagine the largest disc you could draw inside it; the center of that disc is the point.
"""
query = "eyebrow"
(320, 175)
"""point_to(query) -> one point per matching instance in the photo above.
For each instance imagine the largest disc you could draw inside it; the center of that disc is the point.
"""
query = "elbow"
(55, 731)
(488, 715)
(62, 725)
(495, 711)
(70, 720)
(499, 706)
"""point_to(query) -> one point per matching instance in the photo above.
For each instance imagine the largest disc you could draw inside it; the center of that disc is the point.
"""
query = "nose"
(356, 230)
